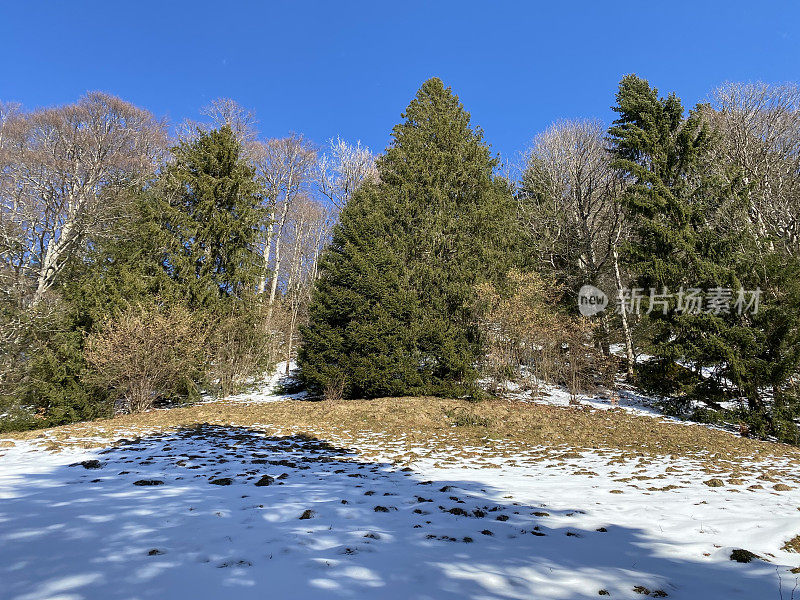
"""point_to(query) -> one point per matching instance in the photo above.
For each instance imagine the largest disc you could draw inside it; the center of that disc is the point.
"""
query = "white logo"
(591, 300)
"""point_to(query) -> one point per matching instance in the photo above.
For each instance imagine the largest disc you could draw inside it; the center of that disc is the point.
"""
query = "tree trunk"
(290, 341)
(278, 258)
(52, 262)
(630, 359)
(262, 285)
(605, 328)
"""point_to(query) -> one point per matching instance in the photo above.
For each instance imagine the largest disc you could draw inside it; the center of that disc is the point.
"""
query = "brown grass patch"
(426, 425)
(793, 545)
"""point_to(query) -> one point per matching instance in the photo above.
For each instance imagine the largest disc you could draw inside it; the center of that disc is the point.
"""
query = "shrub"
(333, 389)
(528, 340)
(239, 347)
(145, 355)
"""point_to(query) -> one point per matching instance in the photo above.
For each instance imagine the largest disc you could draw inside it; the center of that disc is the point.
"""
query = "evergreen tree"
(210, 212)
(188, 240)
(685, 236)
(360, 340)
(670, 204)
(393, 312)
(660, 152)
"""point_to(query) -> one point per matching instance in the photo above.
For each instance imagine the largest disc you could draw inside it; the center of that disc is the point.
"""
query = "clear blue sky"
(350, 68)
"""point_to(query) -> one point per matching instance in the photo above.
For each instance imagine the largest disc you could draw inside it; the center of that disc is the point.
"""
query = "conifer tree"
(670, 204)
(360, 340)
(210, 213)
(661, 152)
(683, 239)
(393, 312)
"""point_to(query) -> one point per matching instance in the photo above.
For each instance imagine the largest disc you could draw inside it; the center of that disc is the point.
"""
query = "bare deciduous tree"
(343, 169)
(307, 228)
(10, 234)
(573, 186)
(242, 121)
(286, 167)
(760, 135)
(65, 171)
(221, 112)
(570, 204)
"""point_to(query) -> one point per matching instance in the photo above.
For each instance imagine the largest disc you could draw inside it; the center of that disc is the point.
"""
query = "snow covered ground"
(269, 390)
(224, 512)
(629, 400)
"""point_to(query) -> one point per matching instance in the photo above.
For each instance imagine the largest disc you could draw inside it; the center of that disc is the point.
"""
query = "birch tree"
(306, 230)
(286, 167)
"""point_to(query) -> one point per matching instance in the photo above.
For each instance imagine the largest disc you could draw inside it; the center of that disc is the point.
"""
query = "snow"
(629, 400)
(269, 390)
(68, 531)
(534, 525)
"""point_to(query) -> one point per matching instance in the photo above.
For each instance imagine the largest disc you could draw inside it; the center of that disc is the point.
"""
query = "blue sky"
(350, 68)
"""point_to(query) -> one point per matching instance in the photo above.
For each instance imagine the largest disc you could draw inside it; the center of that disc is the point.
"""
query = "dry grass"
(793, 545)
(405, 430)
(511, 427)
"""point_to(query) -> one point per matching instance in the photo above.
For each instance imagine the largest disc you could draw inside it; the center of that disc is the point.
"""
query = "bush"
(43, 382)
(57, 382)
(778, 420)
(16, 417)
(147, 354)
(238, 347)
(708, 416)
(333, 389)
(528, 340)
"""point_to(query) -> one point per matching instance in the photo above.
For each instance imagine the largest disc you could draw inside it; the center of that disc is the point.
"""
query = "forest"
(147, 264)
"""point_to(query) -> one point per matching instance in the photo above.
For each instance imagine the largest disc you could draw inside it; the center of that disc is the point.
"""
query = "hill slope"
(402, 498)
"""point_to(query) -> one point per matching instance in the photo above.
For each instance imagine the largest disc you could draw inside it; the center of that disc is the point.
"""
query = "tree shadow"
(212, 511)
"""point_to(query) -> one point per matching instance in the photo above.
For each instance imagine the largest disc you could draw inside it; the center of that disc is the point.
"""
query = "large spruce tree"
(671, 204)
(661, 153)
(393, 310)
(685, 235)
(208, 206)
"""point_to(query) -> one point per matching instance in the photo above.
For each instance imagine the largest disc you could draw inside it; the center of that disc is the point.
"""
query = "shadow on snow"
(99, 531)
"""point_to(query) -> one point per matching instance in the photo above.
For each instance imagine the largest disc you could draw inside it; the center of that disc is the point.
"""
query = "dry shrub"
(529, 340)
(609, 366)
(273, 325)
(514, 322)
(580, 361)
(240, 347)
(147, 354)
(333, 389)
